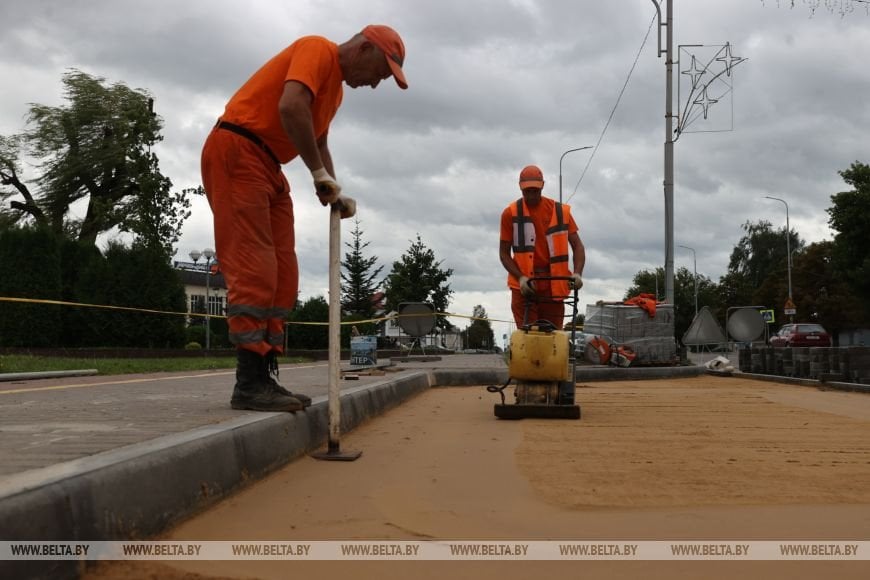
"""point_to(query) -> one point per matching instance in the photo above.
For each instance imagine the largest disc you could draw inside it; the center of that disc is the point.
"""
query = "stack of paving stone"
(651, 338)
(842, 364)
(858, 364)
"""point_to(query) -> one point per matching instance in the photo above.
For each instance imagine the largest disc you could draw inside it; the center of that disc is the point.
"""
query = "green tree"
(98, 148)
(418, 277)
(32, 270)
(822, 292)
(684, 295)
(10, 168)
(735, 290)
(358, 277)
(77, 259)
(647, 282)
(850, 218)
(480, 333)
(309, 336)
(131, 277)
(761, 252)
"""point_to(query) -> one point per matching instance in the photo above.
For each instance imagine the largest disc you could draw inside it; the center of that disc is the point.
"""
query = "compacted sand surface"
(705, 458)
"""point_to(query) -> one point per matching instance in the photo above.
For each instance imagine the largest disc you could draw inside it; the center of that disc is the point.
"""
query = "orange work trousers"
(542, 307)
(254, 238)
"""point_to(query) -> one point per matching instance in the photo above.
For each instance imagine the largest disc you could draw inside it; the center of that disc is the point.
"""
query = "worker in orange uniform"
(283, 111)
(536, 232)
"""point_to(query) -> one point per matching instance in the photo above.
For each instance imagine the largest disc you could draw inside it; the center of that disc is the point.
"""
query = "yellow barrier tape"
(202, 315)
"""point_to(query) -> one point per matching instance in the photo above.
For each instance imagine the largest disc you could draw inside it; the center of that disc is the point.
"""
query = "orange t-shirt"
(312, 61)
(540, 216)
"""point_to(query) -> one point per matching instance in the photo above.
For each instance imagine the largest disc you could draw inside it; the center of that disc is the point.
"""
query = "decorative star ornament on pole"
(728, 60)
(695, 71)
(711, 83)
(705, 101)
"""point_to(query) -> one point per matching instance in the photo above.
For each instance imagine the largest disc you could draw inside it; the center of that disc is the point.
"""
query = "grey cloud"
(494, 85)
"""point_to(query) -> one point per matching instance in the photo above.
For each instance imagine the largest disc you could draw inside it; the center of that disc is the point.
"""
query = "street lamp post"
(729, 62)
(560, 166)
(669, 142)
(695, 269)
(208, 254)
(787, 245)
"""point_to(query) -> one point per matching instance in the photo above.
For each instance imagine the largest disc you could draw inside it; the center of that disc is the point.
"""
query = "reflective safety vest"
(557, 246)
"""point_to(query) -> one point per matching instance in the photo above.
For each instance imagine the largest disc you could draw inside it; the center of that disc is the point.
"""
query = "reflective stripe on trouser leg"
(244, 190)
(283, 233)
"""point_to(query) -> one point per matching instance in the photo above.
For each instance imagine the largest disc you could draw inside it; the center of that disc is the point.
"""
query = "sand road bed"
(701, 458)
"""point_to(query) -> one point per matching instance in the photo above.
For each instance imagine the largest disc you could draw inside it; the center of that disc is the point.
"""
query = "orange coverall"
(250, 196)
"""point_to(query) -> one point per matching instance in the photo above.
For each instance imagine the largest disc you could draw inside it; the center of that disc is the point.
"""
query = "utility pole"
(695, 269)
(787, 249)
(697, 96)
(669, 158)
(669, 143)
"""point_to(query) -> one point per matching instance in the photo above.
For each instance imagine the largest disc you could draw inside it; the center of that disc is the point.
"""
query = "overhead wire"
(613, 111)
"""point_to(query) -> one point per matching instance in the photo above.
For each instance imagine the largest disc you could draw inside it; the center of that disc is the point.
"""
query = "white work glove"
(346, 205)
(325, 185)
(526, 288)
(576, 281)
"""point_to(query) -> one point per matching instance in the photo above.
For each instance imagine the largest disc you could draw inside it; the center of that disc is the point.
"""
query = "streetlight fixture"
(560, 166)
(729, 61)
(787, 248)
(208, 254)
(695, 268)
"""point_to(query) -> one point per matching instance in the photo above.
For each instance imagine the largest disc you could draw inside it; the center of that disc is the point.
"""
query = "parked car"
(801, 334)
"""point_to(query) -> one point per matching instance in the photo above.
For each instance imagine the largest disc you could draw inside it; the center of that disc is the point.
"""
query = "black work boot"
(270, 371)
(253, 392)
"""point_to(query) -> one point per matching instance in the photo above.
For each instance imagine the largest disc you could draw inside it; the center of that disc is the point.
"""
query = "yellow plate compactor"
(543, 366)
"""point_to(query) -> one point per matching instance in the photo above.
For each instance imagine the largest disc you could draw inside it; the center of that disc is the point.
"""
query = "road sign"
(767, 316)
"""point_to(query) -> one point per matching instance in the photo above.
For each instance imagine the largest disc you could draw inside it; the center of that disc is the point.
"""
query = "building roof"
(193, 278)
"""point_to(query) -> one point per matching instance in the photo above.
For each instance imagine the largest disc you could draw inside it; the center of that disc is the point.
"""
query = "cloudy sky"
(496, 85)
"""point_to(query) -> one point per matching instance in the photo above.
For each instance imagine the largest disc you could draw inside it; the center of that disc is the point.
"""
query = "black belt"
(250, 136)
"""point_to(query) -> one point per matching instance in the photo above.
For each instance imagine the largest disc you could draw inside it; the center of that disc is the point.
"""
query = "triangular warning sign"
(704, 329)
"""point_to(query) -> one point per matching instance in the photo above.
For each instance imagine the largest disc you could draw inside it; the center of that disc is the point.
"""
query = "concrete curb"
(455, 378)
(139, 490)
(835, 385)
(603, 373)
(46, 375)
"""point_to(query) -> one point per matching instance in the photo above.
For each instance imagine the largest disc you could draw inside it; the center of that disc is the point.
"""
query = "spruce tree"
(417, 277)
(358, 277)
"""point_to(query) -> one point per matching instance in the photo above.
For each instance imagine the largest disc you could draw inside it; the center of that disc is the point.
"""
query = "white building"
(197, 284)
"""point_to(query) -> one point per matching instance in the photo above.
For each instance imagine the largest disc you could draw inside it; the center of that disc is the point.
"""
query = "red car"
(801, 335)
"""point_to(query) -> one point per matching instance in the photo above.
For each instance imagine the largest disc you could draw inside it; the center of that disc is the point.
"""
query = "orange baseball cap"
(389, 41)
(531, 176)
